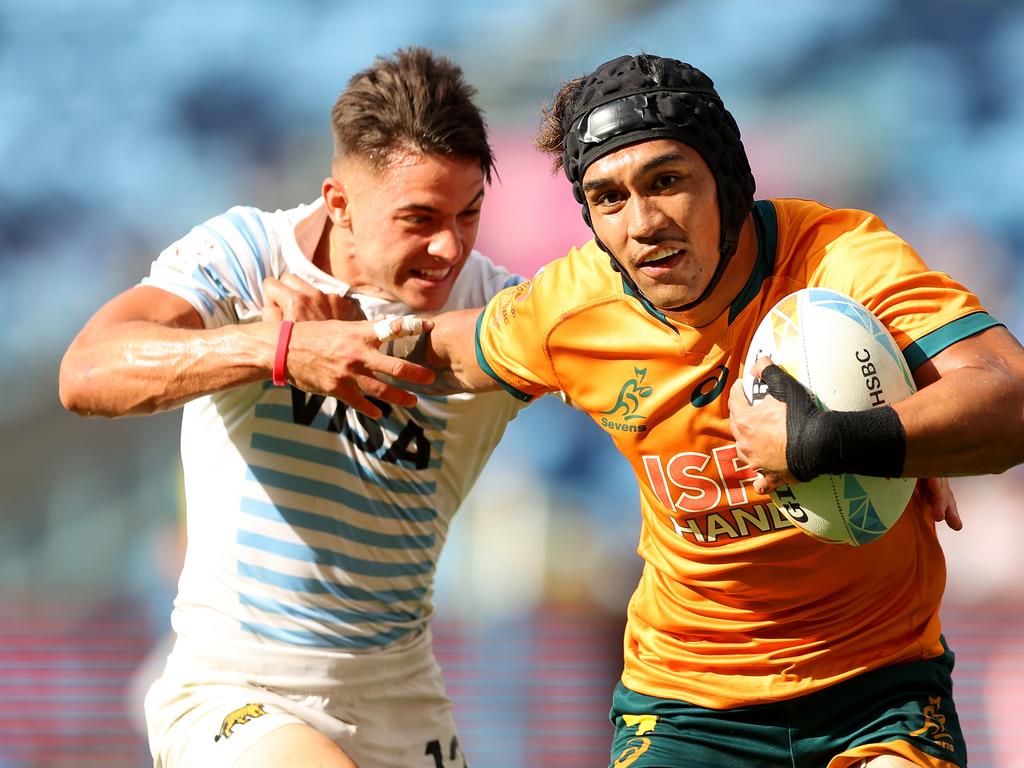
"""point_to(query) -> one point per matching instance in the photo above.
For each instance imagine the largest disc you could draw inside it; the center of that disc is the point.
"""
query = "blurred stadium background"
(124, 123)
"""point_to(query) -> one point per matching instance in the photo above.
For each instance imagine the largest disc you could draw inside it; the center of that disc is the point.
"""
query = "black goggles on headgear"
(626, 120)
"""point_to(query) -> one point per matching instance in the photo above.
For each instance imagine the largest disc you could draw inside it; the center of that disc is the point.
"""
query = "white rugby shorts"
(385, 709)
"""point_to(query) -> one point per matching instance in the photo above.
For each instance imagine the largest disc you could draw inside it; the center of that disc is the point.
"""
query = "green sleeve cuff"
(486, 367)
(928, 346)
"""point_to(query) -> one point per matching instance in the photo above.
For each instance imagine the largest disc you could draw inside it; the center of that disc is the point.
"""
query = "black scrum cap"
(636, 98)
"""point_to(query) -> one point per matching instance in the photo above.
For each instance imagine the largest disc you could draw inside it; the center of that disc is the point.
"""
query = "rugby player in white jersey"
(315, 512)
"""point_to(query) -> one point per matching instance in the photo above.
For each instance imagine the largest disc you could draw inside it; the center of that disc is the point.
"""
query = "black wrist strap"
(870, 442)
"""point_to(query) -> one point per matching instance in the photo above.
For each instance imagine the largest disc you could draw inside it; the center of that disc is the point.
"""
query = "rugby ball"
(840, 351)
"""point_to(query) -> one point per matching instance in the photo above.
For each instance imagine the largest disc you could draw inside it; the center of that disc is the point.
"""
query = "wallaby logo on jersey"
(409, 448)
(628, 403)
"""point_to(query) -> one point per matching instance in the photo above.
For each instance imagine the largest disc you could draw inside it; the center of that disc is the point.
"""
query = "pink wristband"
(281, 356)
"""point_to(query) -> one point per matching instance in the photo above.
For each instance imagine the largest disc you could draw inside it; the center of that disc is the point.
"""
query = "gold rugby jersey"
(735, 605)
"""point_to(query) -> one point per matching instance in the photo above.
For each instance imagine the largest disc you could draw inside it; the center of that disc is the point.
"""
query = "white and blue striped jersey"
(310, 524)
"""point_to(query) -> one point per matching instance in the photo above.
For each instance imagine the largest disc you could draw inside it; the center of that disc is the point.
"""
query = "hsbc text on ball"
(870, 374)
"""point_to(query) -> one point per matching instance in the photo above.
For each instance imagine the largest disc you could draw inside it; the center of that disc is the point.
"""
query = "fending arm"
(147, 350)
(450, 351)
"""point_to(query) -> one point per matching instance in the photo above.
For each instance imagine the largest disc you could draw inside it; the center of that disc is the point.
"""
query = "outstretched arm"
(450, 351)
(967, 417)
(147, 350)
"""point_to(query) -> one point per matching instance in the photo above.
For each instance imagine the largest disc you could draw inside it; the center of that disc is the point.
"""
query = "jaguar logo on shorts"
(240, 716)
(935, 724)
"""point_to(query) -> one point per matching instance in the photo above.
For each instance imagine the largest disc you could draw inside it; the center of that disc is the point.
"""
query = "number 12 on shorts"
(434, 750)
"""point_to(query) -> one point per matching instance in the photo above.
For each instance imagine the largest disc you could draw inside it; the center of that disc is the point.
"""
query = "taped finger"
(384, 328)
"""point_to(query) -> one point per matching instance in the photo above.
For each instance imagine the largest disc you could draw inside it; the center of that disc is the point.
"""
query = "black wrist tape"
(870, 442)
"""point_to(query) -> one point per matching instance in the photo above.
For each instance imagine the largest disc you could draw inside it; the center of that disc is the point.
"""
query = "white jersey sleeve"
(480, 280)
(219, 266)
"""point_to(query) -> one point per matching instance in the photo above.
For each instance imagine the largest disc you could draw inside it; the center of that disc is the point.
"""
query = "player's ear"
(336, 201)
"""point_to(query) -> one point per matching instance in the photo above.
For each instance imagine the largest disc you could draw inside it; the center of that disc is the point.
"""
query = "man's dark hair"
(550, 138)
(412, 101)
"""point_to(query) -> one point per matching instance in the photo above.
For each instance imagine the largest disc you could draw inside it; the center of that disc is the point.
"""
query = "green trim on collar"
(651, 309)
(766, 227)
(490, 371)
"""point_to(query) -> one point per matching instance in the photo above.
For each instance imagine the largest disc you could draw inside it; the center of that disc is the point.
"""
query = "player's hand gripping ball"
(848, 361)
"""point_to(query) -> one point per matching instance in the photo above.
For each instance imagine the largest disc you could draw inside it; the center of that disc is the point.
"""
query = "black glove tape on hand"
(869, 442)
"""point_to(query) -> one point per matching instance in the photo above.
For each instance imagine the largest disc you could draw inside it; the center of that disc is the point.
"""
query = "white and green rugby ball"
(840, 351)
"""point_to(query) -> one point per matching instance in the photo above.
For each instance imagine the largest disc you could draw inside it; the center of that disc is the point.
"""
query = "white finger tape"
(411, 326)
